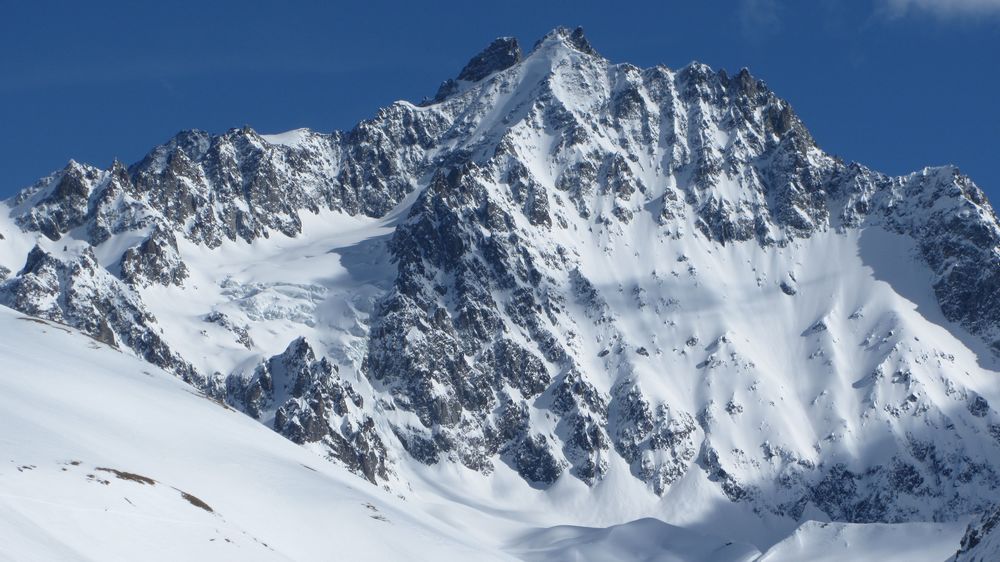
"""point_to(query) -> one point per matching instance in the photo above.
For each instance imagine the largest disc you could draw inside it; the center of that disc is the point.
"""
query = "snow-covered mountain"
(597, 303)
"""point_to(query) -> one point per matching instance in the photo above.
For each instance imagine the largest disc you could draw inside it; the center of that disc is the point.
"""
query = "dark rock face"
(444, 349)
(876, 495)
(83, 196)
(644, 434)
(955, 228)
(961, 246)
(113, 209)
(418, 351)
(981, 542)
(241, 333)
(501, 54)
(221, 186)
(575, 38)
(154, 261)
(533, 459)
(82, 294)
(64, 204)
(305, 400)
(236, 185)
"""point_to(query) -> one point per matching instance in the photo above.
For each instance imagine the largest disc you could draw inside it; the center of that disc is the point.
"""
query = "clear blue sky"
(895, 84)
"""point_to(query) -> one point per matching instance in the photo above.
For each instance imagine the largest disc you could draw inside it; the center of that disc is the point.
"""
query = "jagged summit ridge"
(574, 268)
(501, 54)
(574, 38)
(505, 52)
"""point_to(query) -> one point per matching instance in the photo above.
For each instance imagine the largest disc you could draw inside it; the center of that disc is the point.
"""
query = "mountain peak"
(501, 54)
(575, 39)
(504, 53)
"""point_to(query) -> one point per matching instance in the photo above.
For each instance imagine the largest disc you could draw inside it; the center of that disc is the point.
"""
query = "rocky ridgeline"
(79, 292)
(981, 542)
(522, 162)
(304, 399)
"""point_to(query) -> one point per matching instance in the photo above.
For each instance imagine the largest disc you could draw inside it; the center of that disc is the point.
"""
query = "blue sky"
(894, 84)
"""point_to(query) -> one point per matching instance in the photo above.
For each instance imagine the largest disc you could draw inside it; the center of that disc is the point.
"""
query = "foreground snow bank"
(109, 458)
(875, 542)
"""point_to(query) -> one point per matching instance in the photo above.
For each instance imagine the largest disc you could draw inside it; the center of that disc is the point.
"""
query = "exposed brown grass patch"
(44, 323)
(195, 501)
(217, 401)
(122, 475)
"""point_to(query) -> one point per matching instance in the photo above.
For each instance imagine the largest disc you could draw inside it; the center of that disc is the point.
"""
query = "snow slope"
(875, 542)
(101, 449)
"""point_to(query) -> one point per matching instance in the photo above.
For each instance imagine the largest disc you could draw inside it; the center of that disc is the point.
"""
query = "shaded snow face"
(569, 270)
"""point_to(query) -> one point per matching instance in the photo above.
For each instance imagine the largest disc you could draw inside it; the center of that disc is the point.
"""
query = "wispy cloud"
(759, 18)
(942, 8)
